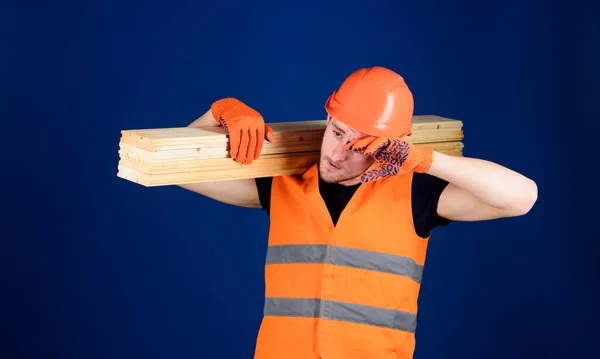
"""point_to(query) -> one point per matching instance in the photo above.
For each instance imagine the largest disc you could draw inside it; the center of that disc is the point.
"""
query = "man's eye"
(337, 134)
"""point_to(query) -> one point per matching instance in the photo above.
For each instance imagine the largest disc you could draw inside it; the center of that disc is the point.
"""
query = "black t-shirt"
(426, 190)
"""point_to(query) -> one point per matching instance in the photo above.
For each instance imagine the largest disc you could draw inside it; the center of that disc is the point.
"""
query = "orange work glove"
(392, 157)
(246, 127)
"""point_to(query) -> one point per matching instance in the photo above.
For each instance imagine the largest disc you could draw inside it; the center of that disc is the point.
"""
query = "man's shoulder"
(427, 181)
(425, 194)
(426, 190)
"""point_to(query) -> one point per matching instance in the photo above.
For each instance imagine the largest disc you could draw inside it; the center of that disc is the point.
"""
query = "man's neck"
(350, 182)
(345, 183)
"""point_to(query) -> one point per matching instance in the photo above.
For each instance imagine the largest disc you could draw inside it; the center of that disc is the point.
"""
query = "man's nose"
(339, 153)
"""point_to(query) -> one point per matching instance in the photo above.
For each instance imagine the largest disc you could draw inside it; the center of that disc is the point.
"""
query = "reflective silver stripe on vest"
(343, 256)
(347, 312)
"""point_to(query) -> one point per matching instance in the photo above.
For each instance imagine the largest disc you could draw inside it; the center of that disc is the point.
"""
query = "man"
(348, 238)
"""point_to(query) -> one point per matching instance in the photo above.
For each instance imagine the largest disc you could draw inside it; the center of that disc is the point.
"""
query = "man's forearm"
(205, 120)
(493, 184)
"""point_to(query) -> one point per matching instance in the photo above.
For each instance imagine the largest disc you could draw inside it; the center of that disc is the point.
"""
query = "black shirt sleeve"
(264, 185)
(426, 191)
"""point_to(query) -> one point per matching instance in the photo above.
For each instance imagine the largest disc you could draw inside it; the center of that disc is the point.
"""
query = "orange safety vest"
(347, 291)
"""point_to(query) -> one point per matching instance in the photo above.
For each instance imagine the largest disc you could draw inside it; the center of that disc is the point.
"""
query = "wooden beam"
(171, 156)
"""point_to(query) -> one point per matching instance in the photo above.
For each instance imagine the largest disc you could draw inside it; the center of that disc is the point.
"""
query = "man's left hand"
(393, 156)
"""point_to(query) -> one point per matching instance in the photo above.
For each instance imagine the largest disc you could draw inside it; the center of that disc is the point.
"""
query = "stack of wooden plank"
(172, 156)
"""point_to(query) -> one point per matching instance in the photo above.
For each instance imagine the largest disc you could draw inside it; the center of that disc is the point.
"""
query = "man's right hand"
(246, 127)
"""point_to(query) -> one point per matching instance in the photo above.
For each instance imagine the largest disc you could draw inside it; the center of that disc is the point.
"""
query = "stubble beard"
(342, 175)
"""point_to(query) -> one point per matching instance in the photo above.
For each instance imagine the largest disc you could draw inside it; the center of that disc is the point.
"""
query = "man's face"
(337, 165)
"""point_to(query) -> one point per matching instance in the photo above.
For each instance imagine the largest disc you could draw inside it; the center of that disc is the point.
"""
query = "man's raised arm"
(247, 132)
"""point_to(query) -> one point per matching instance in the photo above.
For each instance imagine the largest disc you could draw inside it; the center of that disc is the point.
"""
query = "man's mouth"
(332, 165)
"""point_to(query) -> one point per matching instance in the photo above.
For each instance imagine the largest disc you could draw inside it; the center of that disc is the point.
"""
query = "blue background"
(93, 266)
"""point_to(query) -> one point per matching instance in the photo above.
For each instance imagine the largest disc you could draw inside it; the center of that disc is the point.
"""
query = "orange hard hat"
(375, 101)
